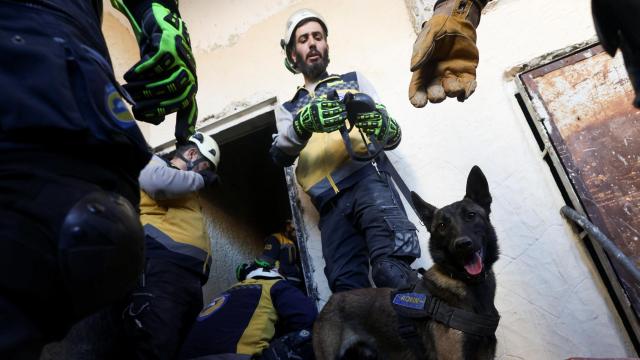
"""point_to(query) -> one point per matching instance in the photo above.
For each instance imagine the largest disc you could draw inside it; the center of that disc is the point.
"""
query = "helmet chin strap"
(191, 164)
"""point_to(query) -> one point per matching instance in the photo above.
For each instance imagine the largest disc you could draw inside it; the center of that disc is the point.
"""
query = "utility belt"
(327, 188)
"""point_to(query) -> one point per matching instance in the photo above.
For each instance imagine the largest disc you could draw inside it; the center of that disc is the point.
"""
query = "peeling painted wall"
(552, 302)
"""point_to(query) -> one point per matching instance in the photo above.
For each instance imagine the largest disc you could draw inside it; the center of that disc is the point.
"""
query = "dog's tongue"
(474, 267)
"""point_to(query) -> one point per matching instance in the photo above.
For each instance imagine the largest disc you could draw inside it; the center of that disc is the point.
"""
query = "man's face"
(193, 155)
(311, 52)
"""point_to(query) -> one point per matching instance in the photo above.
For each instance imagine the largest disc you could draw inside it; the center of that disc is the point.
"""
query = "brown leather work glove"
(445, 56)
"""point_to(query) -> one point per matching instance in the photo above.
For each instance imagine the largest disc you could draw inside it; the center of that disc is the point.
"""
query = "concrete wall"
(552, 302)
(232, 243)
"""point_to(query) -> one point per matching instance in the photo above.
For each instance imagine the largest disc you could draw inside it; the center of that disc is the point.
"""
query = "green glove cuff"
(392, 130)
(135, 12)
(122, 7)
(172, 48)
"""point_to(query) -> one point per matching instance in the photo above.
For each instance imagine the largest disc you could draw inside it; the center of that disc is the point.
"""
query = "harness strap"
(397, 179)
(409, 306)
(377, 145)
(466, 321)
(408, 331)
(420, 304)
(360, 105)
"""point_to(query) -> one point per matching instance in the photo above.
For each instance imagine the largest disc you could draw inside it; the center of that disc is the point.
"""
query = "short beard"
(314, 71)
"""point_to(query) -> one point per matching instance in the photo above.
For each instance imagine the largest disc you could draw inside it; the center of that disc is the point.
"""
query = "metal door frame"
(549, 151)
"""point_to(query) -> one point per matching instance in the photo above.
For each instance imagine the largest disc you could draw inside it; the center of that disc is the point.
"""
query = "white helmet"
(292, 23)
(207, 147)
(265, 274)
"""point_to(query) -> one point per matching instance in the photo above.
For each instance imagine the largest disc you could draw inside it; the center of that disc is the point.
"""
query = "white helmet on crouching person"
(208, 147)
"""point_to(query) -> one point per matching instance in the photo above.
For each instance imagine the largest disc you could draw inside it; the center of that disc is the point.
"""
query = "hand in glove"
(210, 178)
(445, 56)
(321, 115)
(372, 124)
(164, 80)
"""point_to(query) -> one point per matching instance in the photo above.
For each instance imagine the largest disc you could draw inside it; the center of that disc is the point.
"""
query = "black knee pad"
(101, 250)
(393, 273)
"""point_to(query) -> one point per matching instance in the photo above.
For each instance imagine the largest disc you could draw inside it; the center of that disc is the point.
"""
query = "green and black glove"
(372, 124)
(164, 80)
(321, 115)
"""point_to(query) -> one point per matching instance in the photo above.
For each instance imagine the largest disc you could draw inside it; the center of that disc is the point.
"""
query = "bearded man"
(362, 220)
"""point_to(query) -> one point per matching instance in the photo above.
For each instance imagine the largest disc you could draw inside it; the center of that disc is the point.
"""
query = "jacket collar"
(323, 79)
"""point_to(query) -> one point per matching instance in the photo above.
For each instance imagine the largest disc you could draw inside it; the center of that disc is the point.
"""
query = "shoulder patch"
(116, 107)
(214, 306)
(410, 300)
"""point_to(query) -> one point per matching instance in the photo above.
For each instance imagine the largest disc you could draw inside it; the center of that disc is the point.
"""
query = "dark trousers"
(61, 136)
(161, 310)
(364, 224)
(35, 305)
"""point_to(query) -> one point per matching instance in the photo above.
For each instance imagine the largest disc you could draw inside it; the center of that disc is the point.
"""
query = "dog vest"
(420, 304)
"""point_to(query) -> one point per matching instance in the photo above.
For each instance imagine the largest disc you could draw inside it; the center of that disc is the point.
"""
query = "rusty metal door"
(582, 104)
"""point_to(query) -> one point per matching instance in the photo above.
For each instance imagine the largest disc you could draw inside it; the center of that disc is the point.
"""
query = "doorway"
(250, 202)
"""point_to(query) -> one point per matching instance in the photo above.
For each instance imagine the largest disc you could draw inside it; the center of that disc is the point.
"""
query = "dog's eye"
(470, 215)
(441, 227)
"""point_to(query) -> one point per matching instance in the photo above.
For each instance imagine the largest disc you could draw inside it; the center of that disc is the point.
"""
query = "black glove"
(210, 178)
(294, 345)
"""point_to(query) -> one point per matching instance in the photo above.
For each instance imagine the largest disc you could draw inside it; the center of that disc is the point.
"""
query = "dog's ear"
(425, 210)
(478, 189)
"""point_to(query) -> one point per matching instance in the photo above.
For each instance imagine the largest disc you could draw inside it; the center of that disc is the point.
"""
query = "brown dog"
(459, 324)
